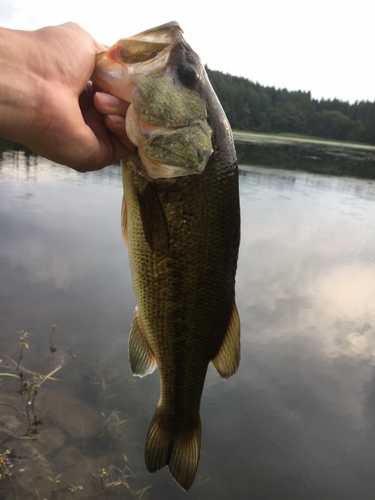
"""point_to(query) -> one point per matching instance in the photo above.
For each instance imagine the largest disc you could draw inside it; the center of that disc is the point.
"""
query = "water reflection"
(297, 420)
(306, 272)
(318, 158)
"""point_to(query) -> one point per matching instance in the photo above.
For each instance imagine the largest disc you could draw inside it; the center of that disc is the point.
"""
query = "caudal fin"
(179, 451)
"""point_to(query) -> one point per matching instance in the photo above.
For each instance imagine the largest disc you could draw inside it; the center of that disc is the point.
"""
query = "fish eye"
(187, 75)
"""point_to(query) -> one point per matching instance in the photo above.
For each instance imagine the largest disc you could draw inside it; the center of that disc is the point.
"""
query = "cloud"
(7, 10)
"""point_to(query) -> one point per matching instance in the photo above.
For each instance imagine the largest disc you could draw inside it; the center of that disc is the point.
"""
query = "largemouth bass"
(181, 221)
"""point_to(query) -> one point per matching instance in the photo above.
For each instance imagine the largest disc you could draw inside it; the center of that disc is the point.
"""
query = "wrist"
(21, 84)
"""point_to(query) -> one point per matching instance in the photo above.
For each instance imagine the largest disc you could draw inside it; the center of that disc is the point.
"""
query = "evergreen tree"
(250, 106)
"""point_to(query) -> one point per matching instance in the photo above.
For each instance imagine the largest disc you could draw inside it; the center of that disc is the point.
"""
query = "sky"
(325, 46)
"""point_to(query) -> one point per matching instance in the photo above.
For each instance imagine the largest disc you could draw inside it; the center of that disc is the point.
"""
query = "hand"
(47, 101)
(114, 111)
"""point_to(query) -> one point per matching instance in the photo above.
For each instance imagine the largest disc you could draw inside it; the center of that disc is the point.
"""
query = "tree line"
(254, 107)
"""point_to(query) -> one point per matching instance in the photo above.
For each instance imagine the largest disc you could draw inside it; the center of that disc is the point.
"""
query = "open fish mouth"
(166, 119)
(146, 45)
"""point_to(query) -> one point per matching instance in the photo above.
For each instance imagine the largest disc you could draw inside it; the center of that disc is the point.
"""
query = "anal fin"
(227, 359)
(141, 358)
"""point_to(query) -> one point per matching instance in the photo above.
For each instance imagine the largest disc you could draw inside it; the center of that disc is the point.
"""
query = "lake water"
(298, 419)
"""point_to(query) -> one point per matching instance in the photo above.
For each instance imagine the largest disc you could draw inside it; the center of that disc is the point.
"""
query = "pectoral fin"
(141, 358)
(154, 222)
(228, 358)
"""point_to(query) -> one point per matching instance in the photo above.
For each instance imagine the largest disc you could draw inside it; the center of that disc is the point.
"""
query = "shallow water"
(297, 420)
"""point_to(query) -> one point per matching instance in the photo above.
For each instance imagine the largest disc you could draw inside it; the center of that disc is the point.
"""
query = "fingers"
(116, 125)
(108, 104)
(114, 110)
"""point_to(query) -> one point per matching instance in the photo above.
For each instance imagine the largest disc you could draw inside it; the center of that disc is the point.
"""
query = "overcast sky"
(326, 46)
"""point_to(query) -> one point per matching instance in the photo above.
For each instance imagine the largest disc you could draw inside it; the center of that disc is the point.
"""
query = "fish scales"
(182, 225)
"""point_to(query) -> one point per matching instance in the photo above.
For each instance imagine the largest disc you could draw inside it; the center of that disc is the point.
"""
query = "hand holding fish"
(114, 112)
(48, 103)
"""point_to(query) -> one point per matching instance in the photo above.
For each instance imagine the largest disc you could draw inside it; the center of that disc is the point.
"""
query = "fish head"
(166, 84)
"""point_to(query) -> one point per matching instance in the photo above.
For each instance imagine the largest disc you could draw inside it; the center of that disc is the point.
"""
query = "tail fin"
(179, 451)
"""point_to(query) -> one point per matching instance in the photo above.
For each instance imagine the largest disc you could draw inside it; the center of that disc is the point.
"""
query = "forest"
(252, 107)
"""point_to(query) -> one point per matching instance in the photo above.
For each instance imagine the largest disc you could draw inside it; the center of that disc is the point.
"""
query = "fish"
(181, 223)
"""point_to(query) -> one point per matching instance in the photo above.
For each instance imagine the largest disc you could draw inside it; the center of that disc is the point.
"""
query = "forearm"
(21, 84)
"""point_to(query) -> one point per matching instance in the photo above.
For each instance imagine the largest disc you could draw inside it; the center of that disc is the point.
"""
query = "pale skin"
(48, 103)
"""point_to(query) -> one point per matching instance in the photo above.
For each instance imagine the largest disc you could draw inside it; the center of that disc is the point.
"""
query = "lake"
(298, 419)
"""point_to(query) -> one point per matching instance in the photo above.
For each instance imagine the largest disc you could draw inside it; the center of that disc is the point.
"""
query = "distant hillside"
(250, 106)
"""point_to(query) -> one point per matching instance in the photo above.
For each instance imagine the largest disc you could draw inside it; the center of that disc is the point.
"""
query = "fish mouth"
(137, 69)
(145, 53)
(148, 44)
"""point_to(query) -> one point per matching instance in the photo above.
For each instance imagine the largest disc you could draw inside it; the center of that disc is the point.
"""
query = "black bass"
(181, 221)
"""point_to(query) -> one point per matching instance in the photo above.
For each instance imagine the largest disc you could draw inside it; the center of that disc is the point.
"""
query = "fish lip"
(169, 32)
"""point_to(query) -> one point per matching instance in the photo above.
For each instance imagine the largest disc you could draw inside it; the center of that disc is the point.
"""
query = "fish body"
(181, 221)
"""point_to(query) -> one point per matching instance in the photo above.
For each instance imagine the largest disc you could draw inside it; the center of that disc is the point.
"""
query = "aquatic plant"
(4, 464)
(7, 374)
(74, 488)
(54, 481)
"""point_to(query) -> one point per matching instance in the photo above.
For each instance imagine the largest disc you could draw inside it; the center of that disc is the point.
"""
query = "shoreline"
(260, 138)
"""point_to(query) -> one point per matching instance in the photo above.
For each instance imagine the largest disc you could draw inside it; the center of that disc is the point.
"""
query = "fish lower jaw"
(163, 171)
(166, 151)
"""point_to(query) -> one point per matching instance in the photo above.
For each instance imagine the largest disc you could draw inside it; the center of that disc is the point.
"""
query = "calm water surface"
(298, 419)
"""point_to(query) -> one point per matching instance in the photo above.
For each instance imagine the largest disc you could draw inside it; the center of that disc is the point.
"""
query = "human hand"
(114, 111)
(47, 101)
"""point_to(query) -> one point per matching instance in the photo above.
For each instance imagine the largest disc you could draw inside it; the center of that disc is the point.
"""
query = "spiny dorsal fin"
(141, 358)
(180, 451)
(227, 359)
